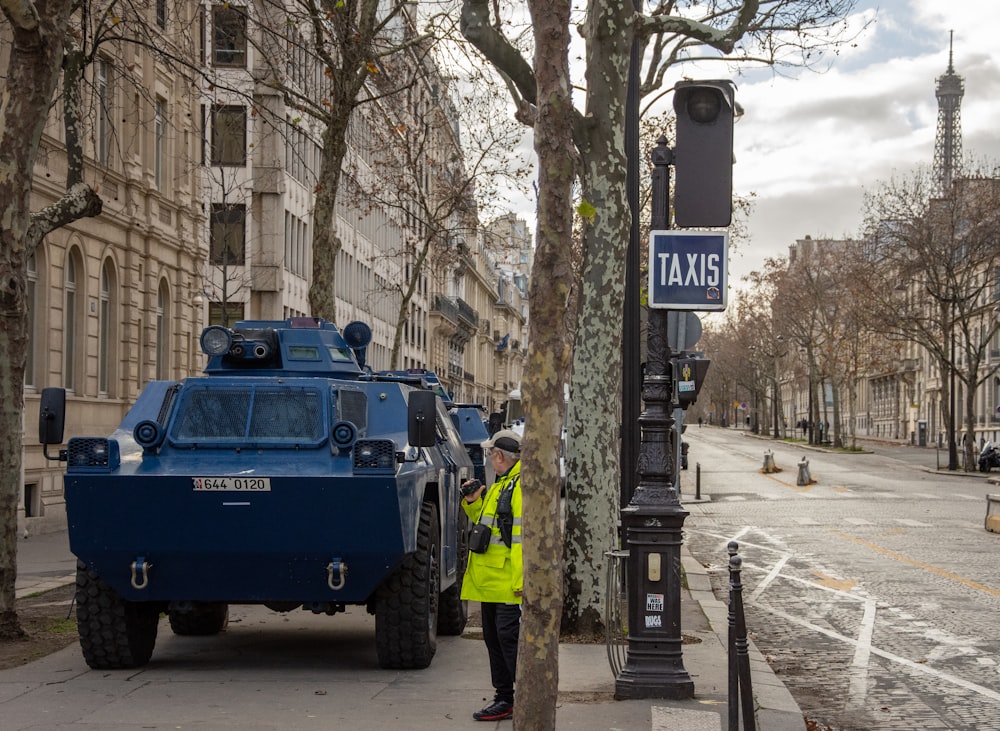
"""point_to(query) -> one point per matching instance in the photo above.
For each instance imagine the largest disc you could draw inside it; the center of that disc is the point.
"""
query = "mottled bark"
(593, 454)
(31, 76)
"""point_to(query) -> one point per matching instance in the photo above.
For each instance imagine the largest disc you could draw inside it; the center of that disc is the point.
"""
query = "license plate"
(232, 484)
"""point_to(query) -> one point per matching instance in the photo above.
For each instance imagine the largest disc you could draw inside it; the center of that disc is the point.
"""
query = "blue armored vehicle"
(289, 475)
(469, 419)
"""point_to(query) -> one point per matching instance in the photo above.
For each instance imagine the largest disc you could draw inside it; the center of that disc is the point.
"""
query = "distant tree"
(938, 267)
(437, 174)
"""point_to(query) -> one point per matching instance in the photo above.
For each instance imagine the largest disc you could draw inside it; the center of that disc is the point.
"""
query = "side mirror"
(421, 416)
(51, 418)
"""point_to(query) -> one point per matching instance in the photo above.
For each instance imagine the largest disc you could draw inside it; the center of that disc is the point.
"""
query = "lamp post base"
(653, 670)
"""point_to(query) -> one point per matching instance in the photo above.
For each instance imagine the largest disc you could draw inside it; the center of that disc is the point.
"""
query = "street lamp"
(653, 520)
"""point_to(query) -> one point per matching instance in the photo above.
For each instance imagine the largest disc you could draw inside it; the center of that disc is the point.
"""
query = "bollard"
(768, 467)
(697, 480)
(804, 477)
(733, 694)
(739, 646)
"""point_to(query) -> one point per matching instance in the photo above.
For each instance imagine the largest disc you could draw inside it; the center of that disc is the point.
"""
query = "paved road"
(875, 591)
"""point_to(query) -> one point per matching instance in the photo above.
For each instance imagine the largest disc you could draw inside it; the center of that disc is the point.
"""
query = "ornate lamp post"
(654, 519)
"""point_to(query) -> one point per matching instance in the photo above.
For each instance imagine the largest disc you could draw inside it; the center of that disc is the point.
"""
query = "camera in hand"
(469, 487)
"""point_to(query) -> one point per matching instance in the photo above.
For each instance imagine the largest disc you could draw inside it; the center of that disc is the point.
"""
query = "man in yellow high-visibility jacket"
(495, 575)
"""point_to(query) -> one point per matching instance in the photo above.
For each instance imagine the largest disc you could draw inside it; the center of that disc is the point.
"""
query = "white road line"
(892, 657)
(977, 498)
(912, 523)
(858, 521)
(858, 687)
(806, 521)
(927, 495)
(771, 576)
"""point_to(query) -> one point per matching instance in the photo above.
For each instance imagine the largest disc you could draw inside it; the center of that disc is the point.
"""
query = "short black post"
(697, 481)
(734, 679)
(741, 644)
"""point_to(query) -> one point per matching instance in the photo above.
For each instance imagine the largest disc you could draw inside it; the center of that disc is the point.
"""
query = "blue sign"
(687, 270)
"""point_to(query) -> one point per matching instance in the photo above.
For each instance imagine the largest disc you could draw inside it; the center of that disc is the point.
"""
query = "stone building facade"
(207, 219)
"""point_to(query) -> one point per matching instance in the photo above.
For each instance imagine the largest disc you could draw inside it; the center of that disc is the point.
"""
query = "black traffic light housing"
(689, 374)
(703, 153)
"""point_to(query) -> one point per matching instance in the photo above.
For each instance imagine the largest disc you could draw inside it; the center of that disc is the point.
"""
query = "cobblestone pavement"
(874, 592)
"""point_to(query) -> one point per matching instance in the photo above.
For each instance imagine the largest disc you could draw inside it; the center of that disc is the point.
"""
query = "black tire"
(201, 619)
(453, 611)
(114, 633)
(406, 605)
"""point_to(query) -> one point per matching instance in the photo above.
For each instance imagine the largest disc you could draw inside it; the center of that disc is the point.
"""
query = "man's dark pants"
(501, 625)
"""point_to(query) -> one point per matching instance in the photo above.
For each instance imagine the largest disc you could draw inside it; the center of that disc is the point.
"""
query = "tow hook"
(336, 574)
(140, 573)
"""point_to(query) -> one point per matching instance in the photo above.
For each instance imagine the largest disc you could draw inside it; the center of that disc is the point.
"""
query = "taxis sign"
(687, 270)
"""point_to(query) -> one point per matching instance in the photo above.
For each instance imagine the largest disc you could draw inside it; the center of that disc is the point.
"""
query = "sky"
(811, 146)
(812, 142)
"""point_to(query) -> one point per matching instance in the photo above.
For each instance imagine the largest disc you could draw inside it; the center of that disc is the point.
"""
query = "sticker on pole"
(687, 270)
(654, 602)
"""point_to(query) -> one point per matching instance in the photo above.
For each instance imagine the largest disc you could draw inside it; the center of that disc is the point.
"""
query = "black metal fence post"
(739, 648)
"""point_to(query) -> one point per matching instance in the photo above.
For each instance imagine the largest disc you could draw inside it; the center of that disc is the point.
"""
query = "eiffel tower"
(948, 143)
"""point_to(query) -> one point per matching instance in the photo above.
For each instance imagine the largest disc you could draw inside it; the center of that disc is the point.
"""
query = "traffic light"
(703, 153)
(689, 375)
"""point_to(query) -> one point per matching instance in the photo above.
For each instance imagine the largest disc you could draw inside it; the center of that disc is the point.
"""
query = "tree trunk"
(593, 453)
(326, 243)
(548, 363)
(35, 59)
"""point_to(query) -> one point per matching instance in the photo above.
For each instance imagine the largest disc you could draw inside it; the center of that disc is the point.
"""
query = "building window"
(228, 236)
(224, 313)
(162, 334)
(105, 101)
(70, 308)
(159, 127)
(29, 296)
(229, 135)
(161, 13)
(229, 44)
(106, 325)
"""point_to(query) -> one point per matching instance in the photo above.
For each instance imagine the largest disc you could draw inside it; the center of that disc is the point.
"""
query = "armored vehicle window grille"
(213, 414)
(352, 406)
(287, 414)
(255, 414)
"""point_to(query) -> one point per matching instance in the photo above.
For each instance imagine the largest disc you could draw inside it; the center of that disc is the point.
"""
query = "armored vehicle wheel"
(201, 619)
(406, 605)
(114, 633)
(453, 612)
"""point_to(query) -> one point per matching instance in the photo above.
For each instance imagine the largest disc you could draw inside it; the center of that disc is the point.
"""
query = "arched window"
(71, 313)
(107, 335)
(162, 334)
(29, 299)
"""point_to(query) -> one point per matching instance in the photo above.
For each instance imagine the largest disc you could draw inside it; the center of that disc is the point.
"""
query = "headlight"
(216, 340)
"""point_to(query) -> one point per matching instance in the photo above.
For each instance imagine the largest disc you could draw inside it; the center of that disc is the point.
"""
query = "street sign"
(683, 330)
(687, 270)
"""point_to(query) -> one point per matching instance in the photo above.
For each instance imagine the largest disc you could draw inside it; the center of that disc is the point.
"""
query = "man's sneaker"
(495, 711)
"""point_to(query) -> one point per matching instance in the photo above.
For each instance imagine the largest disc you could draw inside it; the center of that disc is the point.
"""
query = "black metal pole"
(733, 694)
(654, 519)
(629, 449)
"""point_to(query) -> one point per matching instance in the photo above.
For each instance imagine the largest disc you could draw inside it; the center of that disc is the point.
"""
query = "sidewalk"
(586, 681)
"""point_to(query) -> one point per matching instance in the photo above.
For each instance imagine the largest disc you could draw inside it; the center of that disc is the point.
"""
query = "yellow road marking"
(797, 488)
(831, 583)
(920, 564)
